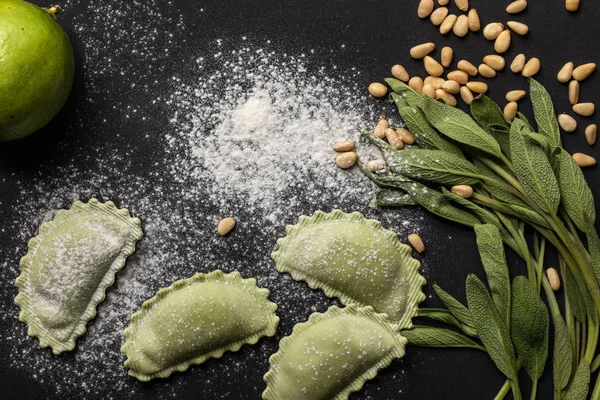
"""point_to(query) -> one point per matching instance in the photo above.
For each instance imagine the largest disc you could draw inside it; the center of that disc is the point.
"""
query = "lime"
(37, 64)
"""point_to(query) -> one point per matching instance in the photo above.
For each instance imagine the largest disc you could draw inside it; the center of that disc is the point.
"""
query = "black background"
(368, 35)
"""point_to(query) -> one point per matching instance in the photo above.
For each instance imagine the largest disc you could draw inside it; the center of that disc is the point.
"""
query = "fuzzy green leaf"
(391, 198)
(425, 135)
(595, 364)
(406, 92)
(525, 121)
(483, 214)
(427, 336)
(594, 248)
(529, 327)
(528, 215)
(575, 297)
(562, 356)
(544, 112)
(498, 192)
(442, 315)
(457, 309)
(580, 385)
(488, 114)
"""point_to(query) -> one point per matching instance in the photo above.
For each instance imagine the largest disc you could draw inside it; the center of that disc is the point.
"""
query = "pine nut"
(567, 123)
(376, 165)
(438, 16)
(382, 125)
(433, 67)
(448, 24)
(502, 42)
(447, 54)
(584, 109)
(515, 95)
(346, 160)
(407, 136)
(477, 87)
(447, 97)
(492, 30)
(461, 27)
(518, 63)
(343, 146)
(590, 134)
(435, 81)
(474, 21)
(458, 76)
(464, 191)
(467, 67)
(518, 27)
(225, 226)
(377, 89)
(583, 71)
(443, 2)
(553, 279)
(416, 84)
(451, 87)
(416, 242)
(583, 160)
(422, 50)
(466, 95)
(531, 68)
(516, 6)
(572, 5)
(400, 73)
(573, 92)
(495, 61)
(425, 8)
(486, 71)
(463, 5)
(393, 139)
(510, 110)
(429, 90)
(566, 73)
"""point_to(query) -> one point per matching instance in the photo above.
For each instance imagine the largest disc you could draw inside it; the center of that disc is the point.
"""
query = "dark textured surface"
(369, 35)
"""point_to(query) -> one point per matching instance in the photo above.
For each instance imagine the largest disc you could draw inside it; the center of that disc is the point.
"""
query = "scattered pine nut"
(382, 125)
(422, 50)
(495, 61)
(393, 139)
(572, 5)
(510, 110)
(567, 123)
(515, 95)
(474, 21)
(463, 5)
(377, 89)
(400, 73)
(584, 109)
(531, 68)
(553, 278)
(467, 67)
(516, 6)
(502, 42)
(433, 67)
(477, 87)
(518, 63)
(466, 95)
(425, 8)
(429, 90)
(518, 27)
(225, 226)
(447, 97)
(566, 73)
(451, 87)
(486, 71)
(461, 27)
(407, 136)
(493, 30)
(346, 160)
(435, 81)
(583, 160)
(443, 2)
(343, 146)
(590, 134)
(464, 191)
(583, 71)
(458, 76)
(448, 24)
(416, 242)
(376, 165)
(438, 16)
(573, 92)
(416, 84)
(447, 54)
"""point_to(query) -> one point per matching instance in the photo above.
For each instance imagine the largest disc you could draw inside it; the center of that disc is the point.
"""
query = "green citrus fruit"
(37, 68)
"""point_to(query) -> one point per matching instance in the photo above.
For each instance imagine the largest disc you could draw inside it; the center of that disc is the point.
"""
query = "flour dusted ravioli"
(196, 319)
(332, 355)
(355, 260)
(69, 266)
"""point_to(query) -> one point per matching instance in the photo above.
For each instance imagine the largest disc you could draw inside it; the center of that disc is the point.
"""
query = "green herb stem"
(534, 388)
(503, 390)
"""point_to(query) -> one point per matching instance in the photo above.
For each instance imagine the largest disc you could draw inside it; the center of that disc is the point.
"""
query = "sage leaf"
(491, 180)
(427, 336)
(543, 110)
(405, 91)
(491, 327)
(457, 309)
(398, 100)
(525, 121)
(580, 385)
(391, 198)
(533, 170)
(435, 166)
(441, 315)
(595, 364)
(562, 358)
(488, 114)
(424, 133)
(576, 196)
(574, 295)
(528, 215)
(530, 324)
(491, 251)
(484, 215)
(594, 248)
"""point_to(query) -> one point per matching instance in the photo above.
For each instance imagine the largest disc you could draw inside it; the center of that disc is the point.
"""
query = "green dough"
(196, 319)
(355, 260)
(332, 355)
(69, 266)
